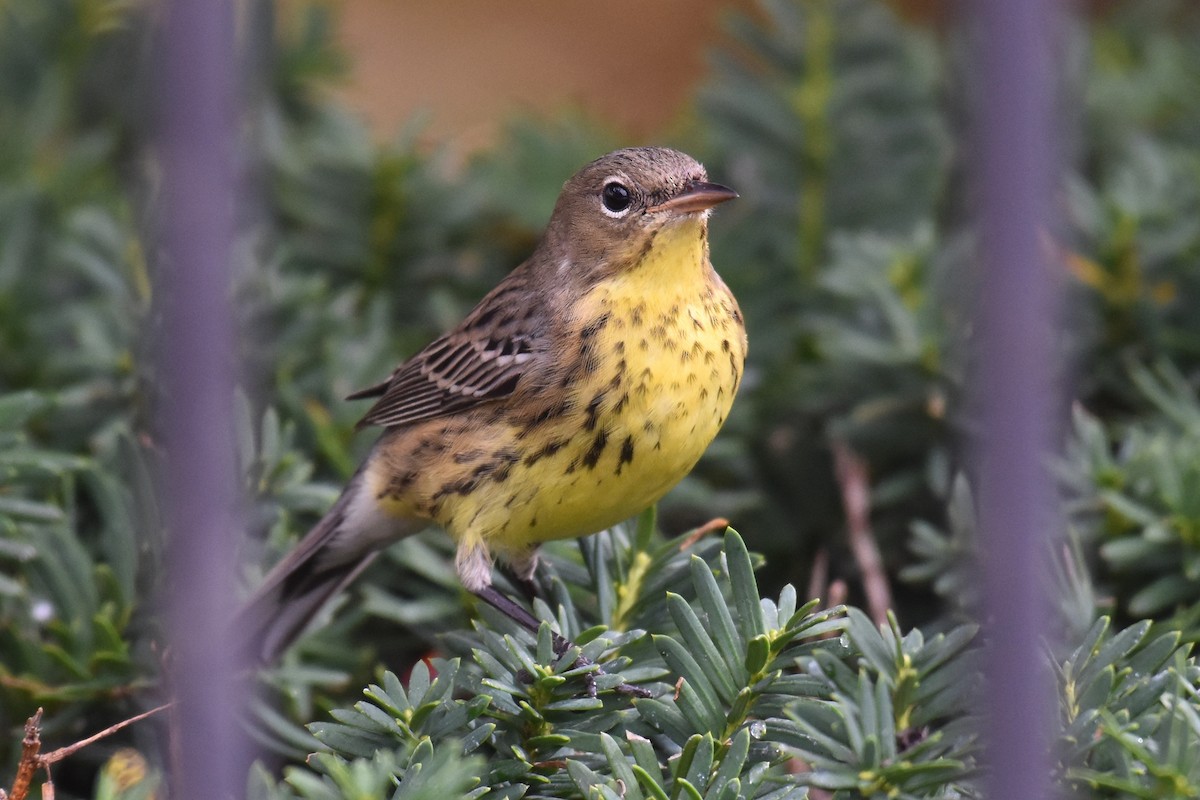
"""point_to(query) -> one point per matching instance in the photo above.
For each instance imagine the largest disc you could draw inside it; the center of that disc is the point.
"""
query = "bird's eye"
(616, 198)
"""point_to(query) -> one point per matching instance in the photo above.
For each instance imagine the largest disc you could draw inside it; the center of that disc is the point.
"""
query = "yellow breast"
(666, 347)
(666, 364)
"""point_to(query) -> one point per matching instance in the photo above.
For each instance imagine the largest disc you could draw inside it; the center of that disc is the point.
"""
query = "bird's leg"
(523, 571)
(473, 564)
(514, 611)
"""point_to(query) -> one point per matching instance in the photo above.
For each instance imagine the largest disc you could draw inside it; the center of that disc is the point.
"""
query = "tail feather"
(339, 547)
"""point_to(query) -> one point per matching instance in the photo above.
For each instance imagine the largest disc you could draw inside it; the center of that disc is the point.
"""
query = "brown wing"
(481, 361)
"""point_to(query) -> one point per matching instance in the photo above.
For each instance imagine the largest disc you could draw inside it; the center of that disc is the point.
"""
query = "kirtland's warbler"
(578, 391)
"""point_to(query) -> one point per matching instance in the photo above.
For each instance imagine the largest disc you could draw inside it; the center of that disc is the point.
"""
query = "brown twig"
(31, 745)
(838, 594)
(818, 577)
(32, 759)
(63, 752)
(831, 595)
(696, 534)
(854, 482)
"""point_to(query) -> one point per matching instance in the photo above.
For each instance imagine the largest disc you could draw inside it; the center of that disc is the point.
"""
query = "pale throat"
(673, 274)
(678, 257)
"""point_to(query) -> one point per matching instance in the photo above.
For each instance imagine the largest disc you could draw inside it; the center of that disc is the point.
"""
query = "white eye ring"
(616, 199)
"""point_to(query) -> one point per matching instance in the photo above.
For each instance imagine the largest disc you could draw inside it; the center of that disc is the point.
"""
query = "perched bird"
(578, 391)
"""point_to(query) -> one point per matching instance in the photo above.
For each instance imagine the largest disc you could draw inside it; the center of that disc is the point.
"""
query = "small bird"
(579, 390)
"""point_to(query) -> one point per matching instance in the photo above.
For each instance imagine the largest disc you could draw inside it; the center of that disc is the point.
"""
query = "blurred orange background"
(472, 64)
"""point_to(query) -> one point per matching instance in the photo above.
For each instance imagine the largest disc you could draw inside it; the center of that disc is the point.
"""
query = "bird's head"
(610, 212)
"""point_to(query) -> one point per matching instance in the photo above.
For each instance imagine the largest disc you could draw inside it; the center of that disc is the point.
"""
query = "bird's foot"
(561, 646)
(526, 620)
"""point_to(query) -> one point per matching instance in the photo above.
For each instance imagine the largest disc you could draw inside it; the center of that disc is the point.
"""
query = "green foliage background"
(840, 127)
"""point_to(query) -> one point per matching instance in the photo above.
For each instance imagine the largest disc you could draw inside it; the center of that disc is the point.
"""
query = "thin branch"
(854, 482)
(831, 595)
(839, 593)
(32, 759)
(714, 525)
(818, 578)
(31, 745)
(63, 752)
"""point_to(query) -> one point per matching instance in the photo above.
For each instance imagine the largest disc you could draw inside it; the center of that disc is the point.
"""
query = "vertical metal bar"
(1014, 383)
(196, 128)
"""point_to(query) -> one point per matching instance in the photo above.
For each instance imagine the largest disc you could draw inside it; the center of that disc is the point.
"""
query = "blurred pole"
(1014, 382)
(196, 95)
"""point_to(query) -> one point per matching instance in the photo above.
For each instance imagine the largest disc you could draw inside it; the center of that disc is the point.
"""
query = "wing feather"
(481, 361)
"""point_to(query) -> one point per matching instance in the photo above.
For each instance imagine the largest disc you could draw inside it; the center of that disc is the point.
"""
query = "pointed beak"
(698, 196)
